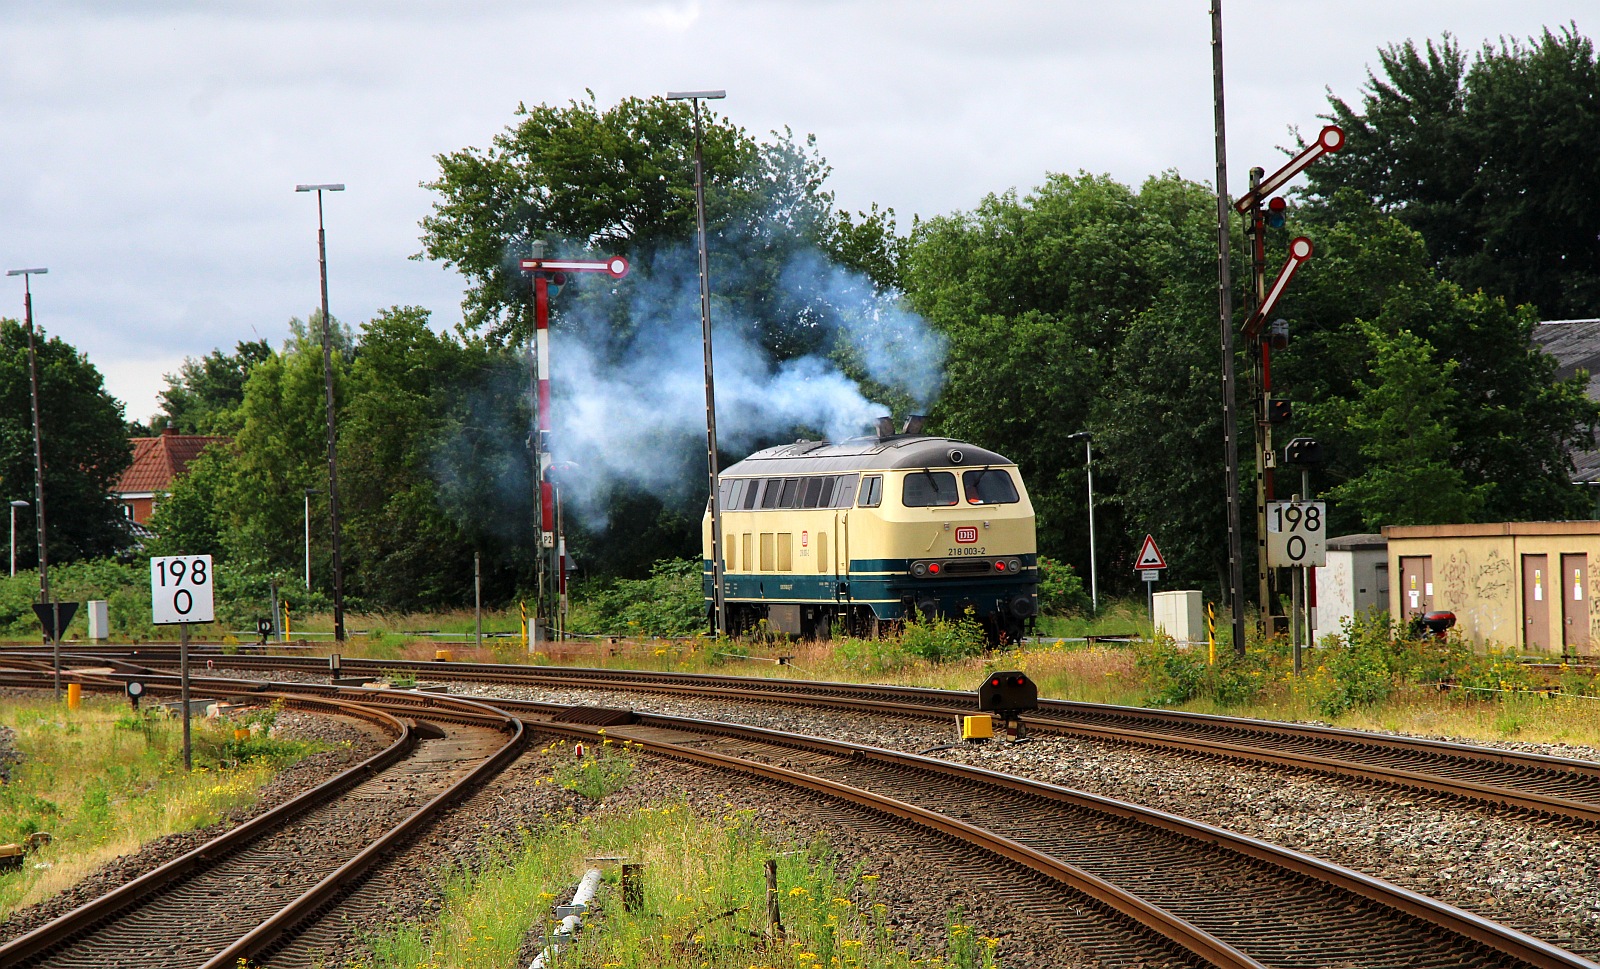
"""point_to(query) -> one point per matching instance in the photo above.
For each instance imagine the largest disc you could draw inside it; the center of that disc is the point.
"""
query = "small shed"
(1519, 584)
(1354, 581)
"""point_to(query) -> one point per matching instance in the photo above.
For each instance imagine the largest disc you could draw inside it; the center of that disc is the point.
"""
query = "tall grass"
(103, 781)
(704, 895)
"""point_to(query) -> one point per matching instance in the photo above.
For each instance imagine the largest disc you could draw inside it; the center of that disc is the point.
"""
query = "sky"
(150, 148)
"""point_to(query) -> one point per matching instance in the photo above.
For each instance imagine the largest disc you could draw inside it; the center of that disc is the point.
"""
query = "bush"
(1174, 676)
(943, 640)
(1061, 591)
(669, 603)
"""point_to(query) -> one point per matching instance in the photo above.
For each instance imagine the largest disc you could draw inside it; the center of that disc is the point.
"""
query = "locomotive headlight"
(1014, 565)
(918, 569)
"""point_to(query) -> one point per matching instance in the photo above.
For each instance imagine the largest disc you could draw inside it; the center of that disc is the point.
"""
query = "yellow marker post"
(74, 696)
(286, 634)
(1211, 635)
(524, 607)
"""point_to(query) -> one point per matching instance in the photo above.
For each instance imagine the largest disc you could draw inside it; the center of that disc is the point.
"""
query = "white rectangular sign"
(180, 589)
(1297, 534)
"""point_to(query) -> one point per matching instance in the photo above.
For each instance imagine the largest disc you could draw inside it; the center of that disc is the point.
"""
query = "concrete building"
(1355, 581)
(1523, 585)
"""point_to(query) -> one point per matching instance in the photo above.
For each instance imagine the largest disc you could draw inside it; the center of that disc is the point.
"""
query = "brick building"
(157, 462)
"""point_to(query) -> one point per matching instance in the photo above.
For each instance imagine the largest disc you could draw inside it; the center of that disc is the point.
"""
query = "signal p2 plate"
(180, 589)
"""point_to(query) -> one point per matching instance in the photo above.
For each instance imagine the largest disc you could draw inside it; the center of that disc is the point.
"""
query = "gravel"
(1537, 875)
(9, 754)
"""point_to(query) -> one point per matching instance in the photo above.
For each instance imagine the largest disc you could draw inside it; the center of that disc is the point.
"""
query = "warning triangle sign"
(1149, 555)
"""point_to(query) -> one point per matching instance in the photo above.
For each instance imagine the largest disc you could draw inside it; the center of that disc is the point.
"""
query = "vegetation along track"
(1552, 786)
(1225, 899)
(246, 893)
(1228, 899)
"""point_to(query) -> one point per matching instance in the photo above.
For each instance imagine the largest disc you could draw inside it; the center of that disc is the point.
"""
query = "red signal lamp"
(1276, 214)
(933, 568)
(1000, 566)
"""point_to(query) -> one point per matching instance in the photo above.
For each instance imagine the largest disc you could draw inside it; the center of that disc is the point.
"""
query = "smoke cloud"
(629, 402)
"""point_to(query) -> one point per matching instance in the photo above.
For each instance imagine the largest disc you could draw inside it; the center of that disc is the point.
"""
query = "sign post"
(181, 593)
(1297, 539)
(1149, 565)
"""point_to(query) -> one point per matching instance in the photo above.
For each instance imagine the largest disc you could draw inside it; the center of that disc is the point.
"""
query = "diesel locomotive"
(862, 534)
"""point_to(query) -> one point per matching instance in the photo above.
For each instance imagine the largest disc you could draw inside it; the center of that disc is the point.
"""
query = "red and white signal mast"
(1263, 210)
(548, 273)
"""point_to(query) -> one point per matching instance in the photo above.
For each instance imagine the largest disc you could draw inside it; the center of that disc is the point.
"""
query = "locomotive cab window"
(928, 489)
(752, 491)
(844, 495)
(769, 494)
(871, 491)
(989, 486)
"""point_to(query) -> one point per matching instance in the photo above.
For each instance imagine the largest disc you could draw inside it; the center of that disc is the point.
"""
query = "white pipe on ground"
(569, 927)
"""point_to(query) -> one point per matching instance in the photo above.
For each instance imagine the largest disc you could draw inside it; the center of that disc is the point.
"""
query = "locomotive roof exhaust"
(912, 427)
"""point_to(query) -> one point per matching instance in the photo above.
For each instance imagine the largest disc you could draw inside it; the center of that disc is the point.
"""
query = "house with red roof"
(157, 462)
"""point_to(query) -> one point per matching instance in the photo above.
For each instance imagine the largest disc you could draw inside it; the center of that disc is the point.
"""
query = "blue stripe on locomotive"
(881, 583)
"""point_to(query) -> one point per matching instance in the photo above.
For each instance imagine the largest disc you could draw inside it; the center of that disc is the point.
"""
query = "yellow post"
(1211, 635)
(74, 696)
(286, 634)
(524, 607)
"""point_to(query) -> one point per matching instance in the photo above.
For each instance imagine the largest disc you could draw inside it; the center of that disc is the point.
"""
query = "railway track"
(249, 892)
(1206, 895)
(1548, 786)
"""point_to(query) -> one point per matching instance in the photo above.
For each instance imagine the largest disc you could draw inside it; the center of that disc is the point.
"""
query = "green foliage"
(1061, 591)
(668, 603)
(604, 769)
(941, 640)
(1485, 156)
(1174, 676)
(202, 396)
(871, 657)
(1399, 417)
(84, 443)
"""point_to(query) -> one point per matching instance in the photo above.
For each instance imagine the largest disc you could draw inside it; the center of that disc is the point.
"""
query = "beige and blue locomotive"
(821, 537)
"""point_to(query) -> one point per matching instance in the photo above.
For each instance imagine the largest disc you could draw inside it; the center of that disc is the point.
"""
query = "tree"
(202, 396)
(1400, 417)
(1088, 306)
(83, 442)
(1490, 158)
(1509, 420)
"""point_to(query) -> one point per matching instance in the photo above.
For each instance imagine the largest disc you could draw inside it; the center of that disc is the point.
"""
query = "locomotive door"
(1536, 601)
(1574, 603)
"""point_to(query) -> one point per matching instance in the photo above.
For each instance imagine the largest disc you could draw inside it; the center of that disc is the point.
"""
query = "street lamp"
(327, 382)
(38, 469)
(309, 493)
(14, 506)
(1088, 466)
(695, 97)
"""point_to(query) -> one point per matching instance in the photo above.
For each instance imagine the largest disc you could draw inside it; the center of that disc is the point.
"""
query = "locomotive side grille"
(972, 567)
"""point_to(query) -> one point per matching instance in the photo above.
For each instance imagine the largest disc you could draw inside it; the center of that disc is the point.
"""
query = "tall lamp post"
(327, 382)
(720, 603)
(309, 493)
(38, 469)
(1088, 466)
(14, 506)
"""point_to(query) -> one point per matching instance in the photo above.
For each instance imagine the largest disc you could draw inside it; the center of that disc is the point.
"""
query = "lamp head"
(331, 187)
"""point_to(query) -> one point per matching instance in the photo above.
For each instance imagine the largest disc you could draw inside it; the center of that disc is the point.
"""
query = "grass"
(704, 894)
(103, 781)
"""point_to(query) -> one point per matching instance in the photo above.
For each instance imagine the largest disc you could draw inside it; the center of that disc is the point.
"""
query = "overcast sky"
(149, 150)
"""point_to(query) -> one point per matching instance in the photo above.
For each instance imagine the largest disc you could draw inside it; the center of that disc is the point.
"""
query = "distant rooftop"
(1576, 346)
(160, 459)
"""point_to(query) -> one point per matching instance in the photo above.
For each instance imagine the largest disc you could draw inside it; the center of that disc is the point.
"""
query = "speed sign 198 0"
(1297, 534)
(180, 589)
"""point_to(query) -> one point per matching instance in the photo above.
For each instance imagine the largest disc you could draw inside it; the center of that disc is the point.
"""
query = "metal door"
(1574, 603)
(1536, 602)
(1416, 585)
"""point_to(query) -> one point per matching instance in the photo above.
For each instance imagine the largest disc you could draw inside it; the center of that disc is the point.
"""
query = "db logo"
(966, 536)
(805, 538)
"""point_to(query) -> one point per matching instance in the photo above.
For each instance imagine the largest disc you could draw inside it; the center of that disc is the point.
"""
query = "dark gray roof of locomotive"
(896, 452)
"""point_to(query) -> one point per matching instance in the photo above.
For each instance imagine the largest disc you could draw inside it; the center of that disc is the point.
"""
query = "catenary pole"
(1230, 418)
